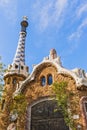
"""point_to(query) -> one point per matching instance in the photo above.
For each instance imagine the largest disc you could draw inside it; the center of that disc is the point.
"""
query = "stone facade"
(37, 88)
(35, 92)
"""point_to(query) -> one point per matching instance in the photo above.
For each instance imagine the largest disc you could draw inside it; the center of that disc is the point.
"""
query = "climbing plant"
(20, 103)
(18, 107)
(62, 96)
(2, 70)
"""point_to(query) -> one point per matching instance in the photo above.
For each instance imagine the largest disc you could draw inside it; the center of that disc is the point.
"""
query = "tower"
(18, 71)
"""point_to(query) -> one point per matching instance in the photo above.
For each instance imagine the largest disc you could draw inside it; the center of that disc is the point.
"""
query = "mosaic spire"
(18, 66)
(20, 52)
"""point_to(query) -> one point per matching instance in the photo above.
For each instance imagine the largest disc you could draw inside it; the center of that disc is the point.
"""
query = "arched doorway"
(45, 115)
(83, 105)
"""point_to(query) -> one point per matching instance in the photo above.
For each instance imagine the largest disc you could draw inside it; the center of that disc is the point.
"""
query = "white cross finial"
(25, 18)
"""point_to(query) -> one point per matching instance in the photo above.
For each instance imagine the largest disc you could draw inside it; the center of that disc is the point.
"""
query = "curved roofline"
(60, 69)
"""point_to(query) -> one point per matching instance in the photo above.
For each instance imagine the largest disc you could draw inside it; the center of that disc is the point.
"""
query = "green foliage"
(63, 96)
(2, 71)
(19, 104)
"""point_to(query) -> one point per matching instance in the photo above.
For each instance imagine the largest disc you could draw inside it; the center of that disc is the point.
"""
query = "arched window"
(3, 104)
(85, 108)
(83, 103)
(50, 79)
(43, 81)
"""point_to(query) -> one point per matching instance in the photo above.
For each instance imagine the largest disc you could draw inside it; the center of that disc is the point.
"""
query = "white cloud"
(50, 12)
(75, 35)
(4, 2)
(80, 20)
(79, 31)
(9, 9)
(59, 9)
(84, 23)
(82, 9)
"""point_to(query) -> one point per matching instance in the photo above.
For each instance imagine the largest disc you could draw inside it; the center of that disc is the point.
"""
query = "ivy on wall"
(18, 107)
(2, 71)
(62, 96)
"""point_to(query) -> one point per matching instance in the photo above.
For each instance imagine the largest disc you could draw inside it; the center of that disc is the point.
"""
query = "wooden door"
(46, 116)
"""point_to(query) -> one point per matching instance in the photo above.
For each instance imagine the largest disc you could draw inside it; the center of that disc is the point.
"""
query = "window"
(16, 66)
(3, 104)
(22, 67)
(85, 104)
(43, 81)
(50, 80)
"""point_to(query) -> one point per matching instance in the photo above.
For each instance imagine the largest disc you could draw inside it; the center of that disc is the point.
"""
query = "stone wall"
(34, 91)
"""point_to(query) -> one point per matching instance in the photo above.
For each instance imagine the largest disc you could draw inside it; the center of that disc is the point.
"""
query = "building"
(38, 94)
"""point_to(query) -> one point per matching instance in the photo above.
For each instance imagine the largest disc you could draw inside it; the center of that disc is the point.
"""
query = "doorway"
(45, 115)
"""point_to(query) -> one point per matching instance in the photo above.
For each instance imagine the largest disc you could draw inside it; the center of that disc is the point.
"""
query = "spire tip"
(25, 18)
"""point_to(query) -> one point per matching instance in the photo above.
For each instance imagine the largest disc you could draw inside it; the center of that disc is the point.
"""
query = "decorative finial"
(24, 23)
(53, 54)
(25, 18)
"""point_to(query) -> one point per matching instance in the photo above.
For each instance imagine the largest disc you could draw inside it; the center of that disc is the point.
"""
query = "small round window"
(50, 79)
(43, 81)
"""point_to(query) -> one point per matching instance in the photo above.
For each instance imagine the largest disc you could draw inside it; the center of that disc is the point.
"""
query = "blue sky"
(59, 24)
